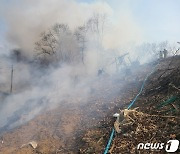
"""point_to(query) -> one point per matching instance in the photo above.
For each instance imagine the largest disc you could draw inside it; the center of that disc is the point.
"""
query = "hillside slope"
(85, 127)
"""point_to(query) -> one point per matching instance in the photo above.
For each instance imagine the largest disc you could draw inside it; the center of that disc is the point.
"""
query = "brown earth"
(85, 127)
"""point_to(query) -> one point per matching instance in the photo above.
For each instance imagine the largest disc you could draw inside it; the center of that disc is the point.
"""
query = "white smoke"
(35, 91)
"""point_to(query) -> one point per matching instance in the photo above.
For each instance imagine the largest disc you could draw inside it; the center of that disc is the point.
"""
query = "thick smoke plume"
(27, 19)
(37, 88)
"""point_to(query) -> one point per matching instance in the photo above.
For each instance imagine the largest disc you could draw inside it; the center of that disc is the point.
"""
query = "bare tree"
(163, 45)
(80, 35)
(153, 51)
(57, 45)
(96, 26)
(45, 47)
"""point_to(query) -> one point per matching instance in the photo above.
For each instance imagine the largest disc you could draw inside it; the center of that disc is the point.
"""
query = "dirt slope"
(85, 127)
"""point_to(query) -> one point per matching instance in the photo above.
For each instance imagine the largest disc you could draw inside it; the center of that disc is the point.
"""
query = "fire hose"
(130, 105)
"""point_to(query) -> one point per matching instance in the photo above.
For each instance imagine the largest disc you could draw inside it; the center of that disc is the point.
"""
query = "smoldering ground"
(43, 92)
(36, 88)
(36, 91)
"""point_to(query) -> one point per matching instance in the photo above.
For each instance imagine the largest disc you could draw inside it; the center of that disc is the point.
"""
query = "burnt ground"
(75, 127)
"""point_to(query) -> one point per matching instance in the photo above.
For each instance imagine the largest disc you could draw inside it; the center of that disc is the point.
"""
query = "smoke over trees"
(78, 43)
(152, 50)
(60, 44)
(80, 35)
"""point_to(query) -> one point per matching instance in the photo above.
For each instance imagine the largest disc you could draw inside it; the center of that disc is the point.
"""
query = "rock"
(33, 144)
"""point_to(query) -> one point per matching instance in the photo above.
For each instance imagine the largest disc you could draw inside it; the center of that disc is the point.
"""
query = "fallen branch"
(173, 86)
(112, 147)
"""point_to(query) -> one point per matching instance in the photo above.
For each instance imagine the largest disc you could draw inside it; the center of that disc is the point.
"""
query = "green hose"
(169, 101)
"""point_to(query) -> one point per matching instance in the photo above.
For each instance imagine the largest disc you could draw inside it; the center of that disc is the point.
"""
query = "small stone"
(33, 144)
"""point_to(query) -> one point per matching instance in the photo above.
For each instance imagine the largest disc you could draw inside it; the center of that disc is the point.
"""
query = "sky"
(158, 20)
(2, 30)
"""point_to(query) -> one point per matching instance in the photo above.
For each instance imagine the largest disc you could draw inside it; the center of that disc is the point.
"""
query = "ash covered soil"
(75, 127)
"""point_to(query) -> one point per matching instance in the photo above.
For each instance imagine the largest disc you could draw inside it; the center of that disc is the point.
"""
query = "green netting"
(170, 100)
